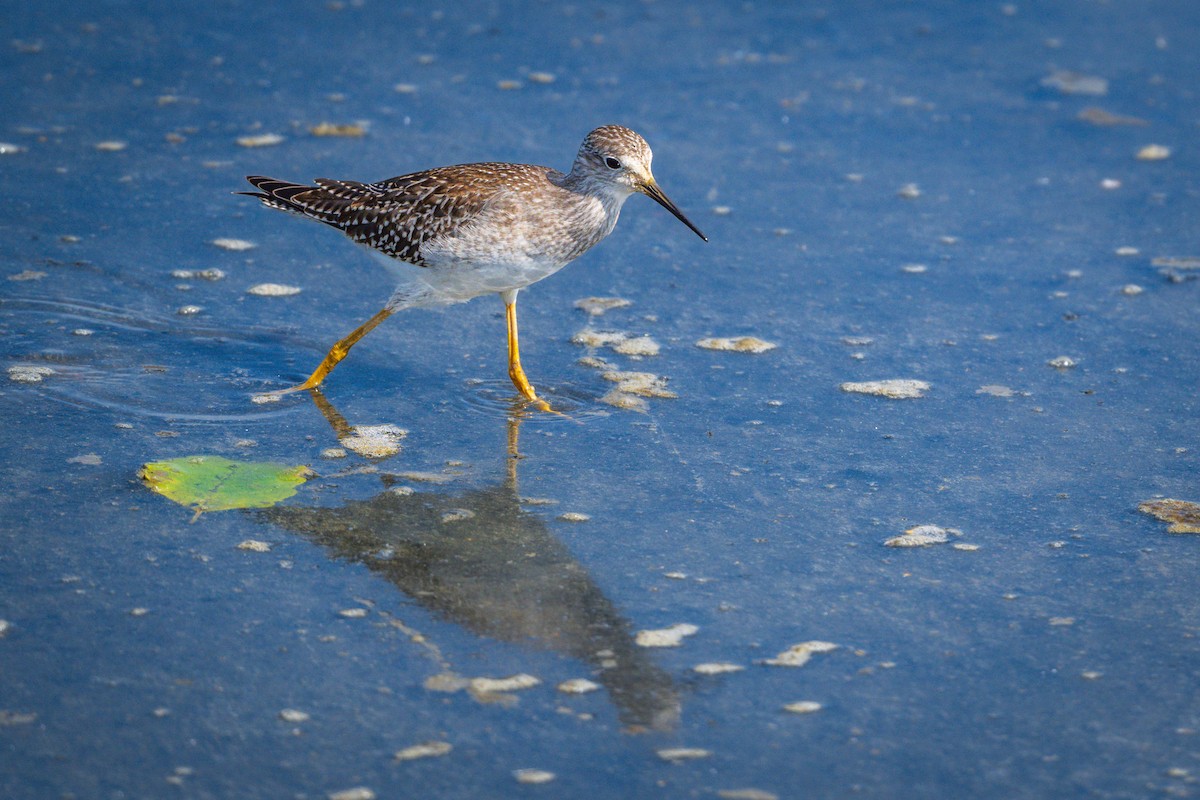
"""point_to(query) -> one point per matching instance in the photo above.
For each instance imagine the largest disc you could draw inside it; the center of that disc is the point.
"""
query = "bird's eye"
(612, 163)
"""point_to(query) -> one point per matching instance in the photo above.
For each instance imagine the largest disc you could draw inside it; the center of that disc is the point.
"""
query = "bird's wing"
(399, 215)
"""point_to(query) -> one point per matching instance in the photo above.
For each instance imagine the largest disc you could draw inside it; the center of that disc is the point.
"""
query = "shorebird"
(451, 234)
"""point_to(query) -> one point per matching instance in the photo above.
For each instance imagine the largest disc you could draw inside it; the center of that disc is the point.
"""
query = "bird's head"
(620, 157)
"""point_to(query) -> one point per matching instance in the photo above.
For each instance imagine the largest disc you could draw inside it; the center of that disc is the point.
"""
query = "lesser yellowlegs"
(454, 233)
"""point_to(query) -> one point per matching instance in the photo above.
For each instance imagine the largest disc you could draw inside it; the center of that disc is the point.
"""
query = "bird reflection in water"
(480, 560)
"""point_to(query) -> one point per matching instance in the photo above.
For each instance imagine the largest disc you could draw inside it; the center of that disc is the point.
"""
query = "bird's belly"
(465, 267)
(462, 281)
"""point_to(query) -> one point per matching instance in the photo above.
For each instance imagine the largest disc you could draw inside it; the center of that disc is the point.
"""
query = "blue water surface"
(947, 192)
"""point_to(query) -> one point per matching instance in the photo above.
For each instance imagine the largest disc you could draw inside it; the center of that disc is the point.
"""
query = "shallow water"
(919, 191)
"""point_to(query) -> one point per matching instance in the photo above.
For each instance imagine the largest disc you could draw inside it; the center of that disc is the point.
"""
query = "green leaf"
(213, 483)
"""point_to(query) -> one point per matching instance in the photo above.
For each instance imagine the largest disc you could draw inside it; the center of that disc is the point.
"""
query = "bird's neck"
(611, 195)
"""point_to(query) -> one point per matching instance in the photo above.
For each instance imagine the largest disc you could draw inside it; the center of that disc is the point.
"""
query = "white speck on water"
(355, 793)
(90, 459)
(293, 715)
(996, 390)
(352, 613)
(266, 397)
(1110, 184)
(1176, 262)
(512, 683)
(893, 388)
(666, 637)
(677, 755)
(746, 794)
(1069, 82)
(637, 346)
(803, 707)
(349, 130)
(28, 373)
(737, 344)
(112, 146)
(235, 245)
(533, 776)
(923, 536)
(445, 682)
(8, 718)
(260, 140)
(909, 191)
(1131, 290)
(1061, 362)
(799, 654)
(644, 384)
(622, 400)
(424, 750)
(1153, 152)
(597, 306)
(717, 668)
(1126, 250)
(374, 441)
(591, 338)
(578, 686)
(574, 516)
(27, 275)
(189, 311)
(7, 149)
(914, 269)
(201, 274)
(254, 546)
(273, 290)
(619, 341)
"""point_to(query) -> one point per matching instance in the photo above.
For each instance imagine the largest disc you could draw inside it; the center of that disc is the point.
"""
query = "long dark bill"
(651, 190)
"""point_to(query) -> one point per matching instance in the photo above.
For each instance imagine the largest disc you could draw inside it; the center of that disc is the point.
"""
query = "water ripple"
(498, 399)
(142, 364)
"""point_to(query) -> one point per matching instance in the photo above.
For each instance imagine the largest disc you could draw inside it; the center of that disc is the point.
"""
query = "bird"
(451, 234)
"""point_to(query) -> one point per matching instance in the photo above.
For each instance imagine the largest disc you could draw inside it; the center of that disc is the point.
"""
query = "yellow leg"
(515, 373)
(337, 353)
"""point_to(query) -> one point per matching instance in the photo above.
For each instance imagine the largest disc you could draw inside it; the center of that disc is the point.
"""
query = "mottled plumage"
(478, 228)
